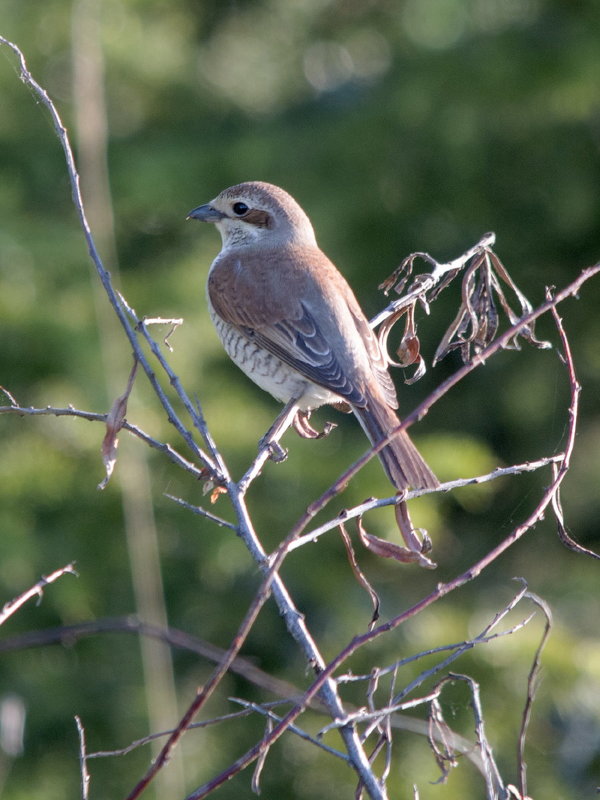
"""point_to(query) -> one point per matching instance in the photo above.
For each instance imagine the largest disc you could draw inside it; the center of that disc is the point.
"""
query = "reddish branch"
(442, 589)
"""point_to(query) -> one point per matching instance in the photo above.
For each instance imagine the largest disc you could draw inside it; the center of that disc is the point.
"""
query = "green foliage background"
(399, 126)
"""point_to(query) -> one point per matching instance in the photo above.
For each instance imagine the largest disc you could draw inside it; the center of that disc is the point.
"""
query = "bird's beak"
(206, 213)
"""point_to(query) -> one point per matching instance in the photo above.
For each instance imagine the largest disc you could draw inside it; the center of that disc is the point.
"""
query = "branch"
(531, 690)
(442, 589)
(163, 447)
(83, 757)
(427, 282)
(114, 298)
(294, 619)
(421, 410)
(448, 486)
(67, 634)
(37, 590)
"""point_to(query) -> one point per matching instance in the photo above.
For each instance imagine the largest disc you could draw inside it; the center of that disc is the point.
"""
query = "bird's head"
(256, 213)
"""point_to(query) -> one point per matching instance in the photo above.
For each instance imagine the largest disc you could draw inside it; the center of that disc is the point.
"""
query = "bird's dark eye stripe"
(240, 209)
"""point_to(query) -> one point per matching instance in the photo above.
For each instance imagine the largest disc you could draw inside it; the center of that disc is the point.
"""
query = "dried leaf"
(563, 533)
(12, 400)
(441, 741)
(387, 549)
(400, 275)
(360, 576)
(418, 373)
(114, 422)
(216, 493)
(477, 321)
(446, 344)
(408, 350)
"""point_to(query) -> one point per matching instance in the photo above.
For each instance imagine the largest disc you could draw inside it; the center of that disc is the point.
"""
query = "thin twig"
(202, 512)
(152, 737)
(163, 447)
(266, 711)
(103, 273)
(494, 783)
(423, 408)
(85, 775)
(447, 486)
(68, 634)
(37, 590)
(531, 690)
(484, 637)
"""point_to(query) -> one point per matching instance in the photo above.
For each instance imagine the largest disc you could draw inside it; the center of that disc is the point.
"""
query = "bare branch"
(569, 291)
(67, 634)
(114, 298)
(37, 590)
(562, 468)
(163, 447)
(494, 783)
(85, 775)
(447, 486)
(531, 690)
(265, 710)
(202, 512)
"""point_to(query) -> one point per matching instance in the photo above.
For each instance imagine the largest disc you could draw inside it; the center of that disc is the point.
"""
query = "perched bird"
(291, 322)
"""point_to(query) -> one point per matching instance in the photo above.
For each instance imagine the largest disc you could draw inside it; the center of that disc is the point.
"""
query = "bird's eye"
(239, 209)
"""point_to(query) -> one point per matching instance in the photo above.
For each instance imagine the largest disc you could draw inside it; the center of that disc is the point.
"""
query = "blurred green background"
(398, 126)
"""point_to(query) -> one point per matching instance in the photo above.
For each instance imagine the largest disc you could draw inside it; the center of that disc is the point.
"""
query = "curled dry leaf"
(216, 493)
(486, 287)
(441, 741)
(359, 575)
(387, 549)
(477, 320)
(563, 533)
(409, 349)
(114, 422)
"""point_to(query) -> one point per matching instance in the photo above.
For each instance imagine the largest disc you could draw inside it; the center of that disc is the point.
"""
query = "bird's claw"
(277, 453)
(304, 429)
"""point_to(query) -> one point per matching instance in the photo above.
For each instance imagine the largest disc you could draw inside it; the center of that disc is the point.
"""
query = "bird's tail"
(403, 463)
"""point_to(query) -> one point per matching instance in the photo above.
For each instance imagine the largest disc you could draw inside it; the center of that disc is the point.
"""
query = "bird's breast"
(268, 371)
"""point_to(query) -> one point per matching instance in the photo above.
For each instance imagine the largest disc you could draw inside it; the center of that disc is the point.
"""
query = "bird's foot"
(304, 429)
(277, 453)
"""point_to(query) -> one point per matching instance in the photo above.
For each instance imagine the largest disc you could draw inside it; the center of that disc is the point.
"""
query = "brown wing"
(295, 304)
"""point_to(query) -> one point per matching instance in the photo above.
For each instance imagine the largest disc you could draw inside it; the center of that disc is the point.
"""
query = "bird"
(289, 320)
